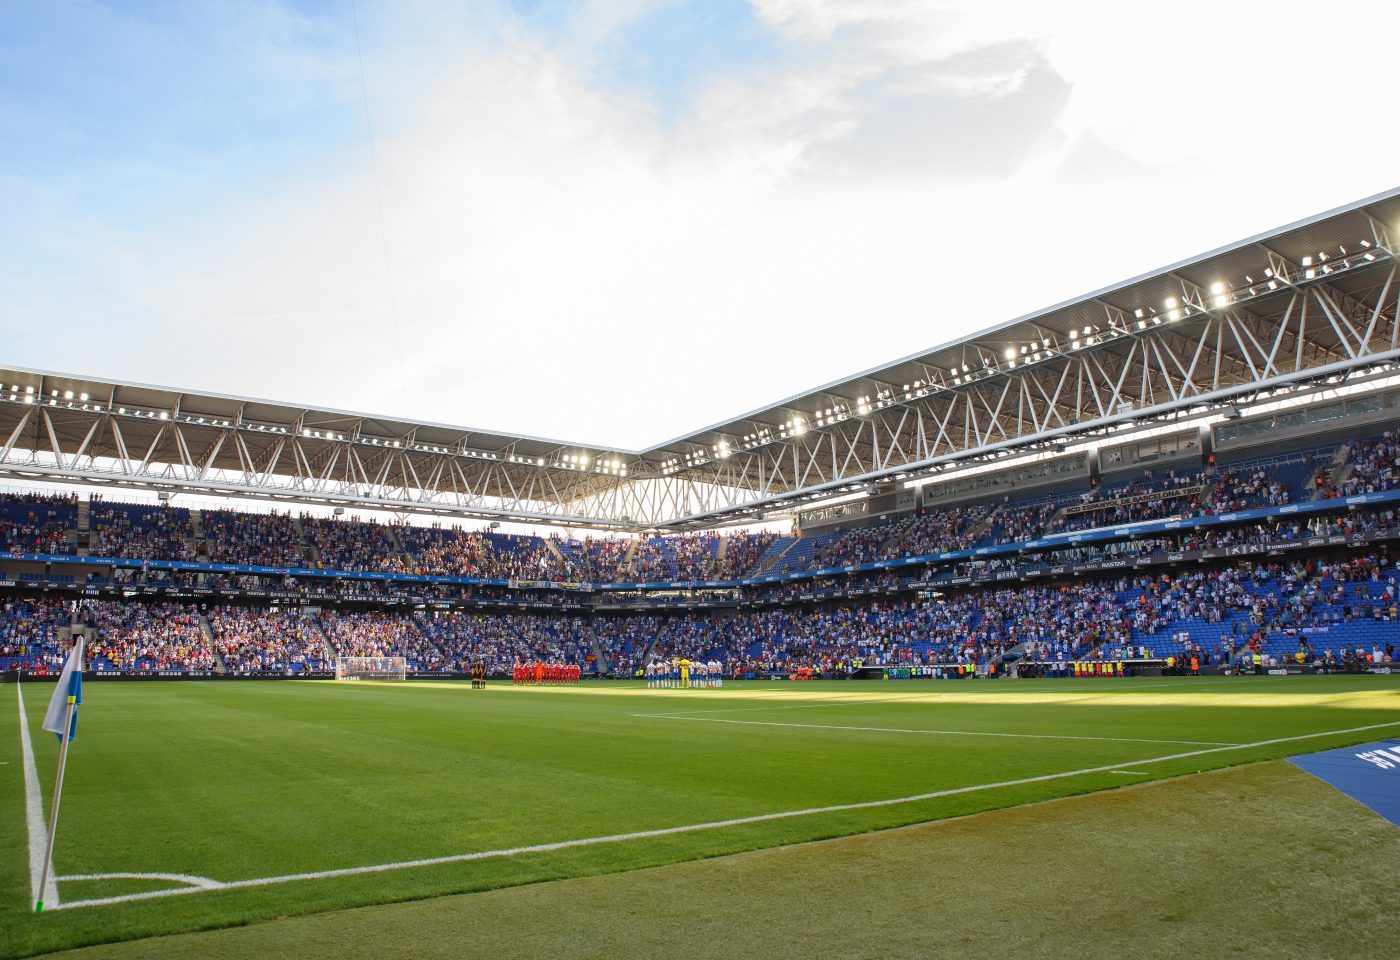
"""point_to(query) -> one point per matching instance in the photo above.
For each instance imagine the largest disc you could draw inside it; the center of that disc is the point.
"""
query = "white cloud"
(568, 262)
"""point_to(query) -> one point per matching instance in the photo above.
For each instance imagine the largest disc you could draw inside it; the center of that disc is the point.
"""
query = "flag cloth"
(70, 685)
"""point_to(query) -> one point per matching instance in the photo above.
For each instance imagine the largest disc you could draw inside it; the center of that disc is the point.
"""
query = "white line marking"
(203, 882)
(942, 733)
(34, 813)
(695, 827)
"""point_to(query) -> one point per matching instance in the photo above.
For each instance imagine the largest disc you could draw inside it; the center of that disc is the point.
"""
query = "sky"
(619, 221)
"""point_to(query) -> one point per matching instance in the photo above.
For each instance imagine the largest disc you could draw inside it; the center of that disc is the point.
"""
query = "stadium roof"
(1308, 301)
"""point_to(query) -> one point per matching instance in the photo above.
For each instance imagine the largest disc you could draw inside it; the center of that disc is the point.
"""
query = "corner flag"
(62, 719)
(70, 690)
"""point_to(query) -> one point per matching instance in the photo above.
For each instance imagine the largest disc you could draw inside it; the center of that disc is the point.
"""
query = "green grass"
(235, 781)
(1256, 861)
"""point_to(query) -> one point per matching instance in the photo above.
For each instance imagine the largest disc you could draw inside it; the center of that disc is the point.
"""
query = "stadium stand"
(1117, 594)
(352, 545)
(439, 552)
(29, 634)
(1373, 465)
(263, 539)
(1305, 611)
(146, 638)
(249, 640)
(606, 557)
(742, 553)
(37, 523)
(140, 531)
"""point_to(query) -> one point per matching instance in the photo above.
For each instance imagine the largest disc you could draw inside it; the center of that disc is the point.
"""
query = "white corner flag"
(62, 719)
(69, 691)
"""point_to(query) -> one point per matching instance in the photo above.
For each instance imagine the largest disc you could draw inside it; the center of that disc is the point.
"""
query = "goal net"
(370, 668)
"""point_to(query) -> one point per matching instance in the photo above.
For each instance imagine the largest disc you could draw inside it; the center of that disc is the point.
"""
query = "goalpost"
(370, 668)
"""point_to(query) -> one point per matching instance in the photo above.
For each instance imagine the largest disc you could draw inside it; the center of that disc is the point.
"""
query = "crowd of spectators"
(685, 556)
(742, 553)
(37, 523)
(252, 539)
(1252, 604)
(518, 557)
(1243, 490)
(1150, 497)
(446, 552)
(368, 634)
(498, 640)
(606, 556)
(29, 632)
(354, 545)
(937, 531)
(251, 640)
(1374, 465)
(146, 637)
(1014, 523)
(139, 531)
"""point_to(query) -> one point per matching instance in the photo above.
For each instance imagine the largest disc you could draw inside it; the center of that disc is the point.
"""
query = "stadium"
(1070, 636)
(1191, 476)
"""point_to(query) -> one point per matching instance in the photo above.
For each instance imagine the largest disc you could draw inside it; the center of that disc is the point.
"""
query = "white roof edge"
(312, 408)
(1028, 317)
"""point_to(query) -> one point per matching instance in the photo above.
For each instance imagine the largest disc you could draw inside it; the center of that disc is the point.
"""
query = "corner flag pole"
(66, 698)
(57, 795)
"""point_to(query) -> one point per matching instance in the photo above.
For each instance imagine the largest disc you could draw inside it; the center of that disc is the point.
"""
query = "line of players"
(538, 673)
(679, 672)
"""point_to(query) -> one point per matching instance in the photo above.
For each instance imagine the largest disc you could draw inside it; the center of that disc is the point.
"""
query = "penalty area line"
(695, 827)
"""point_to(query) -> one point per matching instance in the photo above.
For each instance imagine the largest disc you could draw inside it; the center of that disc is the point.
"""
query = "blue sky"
(618, 220)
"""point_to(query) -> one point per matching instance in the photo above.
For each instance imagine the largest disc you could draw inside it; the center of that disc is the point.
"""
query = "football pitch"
(197, 805)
